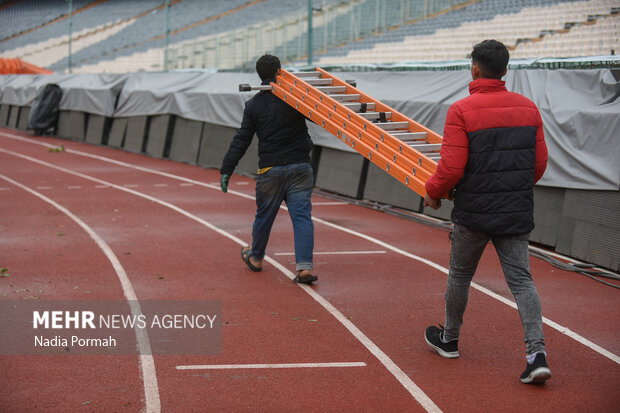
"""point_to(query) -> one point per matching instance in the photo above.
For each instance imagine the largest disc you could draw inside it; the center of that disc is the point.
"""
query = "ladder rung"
(356, 106)
(342, 98)
(332, 89)
(410, 136)
(307, 74)
(392, 125)
(435, 157)
(375, 115)
(426, 147)
(319, 82)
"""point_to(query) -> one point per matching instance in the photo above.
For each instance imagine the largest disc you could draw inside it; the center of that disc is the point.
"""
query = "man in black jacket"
(284, 172)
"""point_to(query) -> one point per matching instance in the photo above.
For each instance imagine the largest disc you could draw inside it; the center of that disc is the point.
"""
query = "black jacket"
(282, 133)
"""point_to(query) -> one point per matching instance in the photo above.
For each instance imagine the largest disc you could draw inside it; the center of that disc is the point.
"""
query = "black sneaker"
(537, 372)
(449, 350)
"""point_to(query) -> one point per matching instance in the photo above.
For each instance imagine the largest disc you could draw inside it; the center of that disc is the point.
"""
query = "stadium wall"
(580, 223)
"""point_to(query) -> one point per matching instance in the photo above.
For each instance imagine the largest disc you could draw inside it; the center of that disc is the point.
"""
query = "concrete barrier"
(13, 116)
(589, 228)
(381, 187)
(4, 114)
(97, 129)
(22, 123)
(117, 132)
(186, 137)
(339, 171)
(215, 142)
(160, 133)
(137, 131)
(71, 125)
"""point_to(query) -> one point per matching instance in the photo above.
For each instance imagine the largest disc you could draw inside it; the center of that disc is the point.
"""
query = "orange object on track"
(10, 66)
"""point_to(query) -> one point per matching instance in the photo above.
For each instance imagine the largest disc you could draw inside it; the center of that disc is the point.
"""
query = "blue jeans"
(512, 250)
(292, 184)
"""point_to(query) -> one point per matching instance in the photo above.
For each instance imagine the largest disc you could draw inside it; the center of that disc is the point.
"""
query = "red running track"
(381, 283)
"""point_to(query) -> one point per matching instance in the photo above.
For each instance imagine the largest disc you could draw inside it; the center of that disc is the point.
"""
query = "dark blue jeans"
(512, 250)
(292, 184)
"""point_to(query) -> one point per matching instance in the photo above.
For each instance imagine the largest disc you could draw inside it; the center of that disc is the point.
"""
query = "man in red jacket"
(493, 153)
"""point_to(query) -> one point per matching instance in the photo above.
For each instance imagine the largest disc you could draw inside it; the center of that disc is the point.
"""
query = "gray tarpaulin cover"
(580, 108)
(92, 93)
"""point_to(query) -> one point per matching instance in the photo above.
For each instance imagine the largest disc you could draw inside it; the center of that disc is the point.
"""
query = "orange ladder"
(398, 145)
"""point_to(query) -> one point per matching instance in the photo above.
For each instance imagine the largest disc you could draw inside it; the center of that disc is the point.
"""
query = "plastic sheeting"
(580, 108)
(91, 93)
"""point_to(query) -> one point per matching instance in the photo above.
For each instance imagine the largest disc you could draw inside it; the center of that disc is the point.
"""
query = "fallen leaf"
(60, 148)
(90, 401)
(30, 297)
(160, 277)
(60, 234)
(4, 272)
(312, 320)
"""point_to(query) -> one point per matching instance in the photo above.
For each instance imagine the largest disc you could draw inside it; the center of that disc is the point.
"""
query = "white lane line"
(392, 367)
(43, 187)
(130, 185)
(101, 186)
(564, 330)
(160, 185)
(335, 252)
(4, 189)
(185, 184)
(74, 187)
(147, 366)
(269, 366)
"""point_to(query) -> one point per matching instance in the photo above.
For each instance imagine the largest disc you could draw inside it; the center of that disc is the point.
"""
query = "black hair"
(492, 58)
(267, 66)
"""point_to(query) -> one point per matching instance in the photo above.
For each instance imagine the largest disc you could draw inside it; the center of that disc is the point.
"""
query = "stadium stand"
(450, 36)
(119, 36)
(30, 17)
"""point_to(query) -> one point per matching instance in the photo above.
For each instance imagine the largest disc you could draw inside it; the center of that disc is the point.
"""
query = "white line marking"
(160, 185)
(74, 187)
(329, 203)
(5, 189)
(130, 185)
(185, 184)
(101, 186)
(269, 366)
(44, 187)
(242, 183)
(392, 367)
(335, 252)
(564, 330)
(147, 365)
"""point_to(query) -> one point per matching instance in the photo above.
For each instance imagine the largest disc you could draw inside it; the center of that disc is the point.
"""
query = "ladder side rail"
(414, 126)
(368, 129)
(404, 176)
(297, 95)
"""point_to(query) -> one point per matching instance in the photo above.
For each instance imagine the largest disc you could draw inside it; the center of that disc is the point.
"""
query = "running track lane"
(388, 312)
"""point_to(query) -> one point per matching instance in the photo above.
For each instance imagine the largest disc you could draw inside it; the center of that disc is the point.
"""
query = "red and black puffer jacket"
(493, 153)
